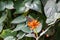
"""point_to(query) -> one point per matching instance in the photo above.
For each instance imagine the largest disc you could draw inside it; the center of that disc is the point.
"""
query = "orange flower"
(33, 24)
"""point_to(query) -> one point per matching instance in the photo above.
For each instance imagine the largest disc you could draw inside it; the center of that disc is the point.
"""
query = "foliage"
(29, 19)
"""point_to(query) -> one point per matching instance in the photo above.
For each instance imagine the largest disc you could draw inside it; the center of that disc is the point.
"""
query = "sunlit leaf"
(58, 15)
(53, 19)
(9, 38)
(6, 33)
(30, 35)
(36, 5)
(19, 19)
(50, 12)
(6, 4)
(50, 8)
(9, 5)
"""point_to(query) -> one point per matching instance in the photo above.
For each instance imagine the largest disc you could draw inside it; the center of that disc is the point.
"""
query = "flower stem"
(37, 38)
(35, 31)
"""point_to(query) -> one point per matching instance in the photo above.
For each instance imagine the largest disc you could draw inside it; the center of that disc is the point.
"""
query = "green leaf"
(9, 5)
(19, 6)
(50, 8)
(53, 18)
(50, 12)
(30, 35)
(36, 5)
(20, 35)
(39, 28)
(19, 27)
(19, 19)
(20, 9)
(3, 18)
(50, 21)
(7, 32)
(2, 6)
(9, 38)
(6, 4)
(58, 6)
(1, 26)
(57, 15)
(26, 29)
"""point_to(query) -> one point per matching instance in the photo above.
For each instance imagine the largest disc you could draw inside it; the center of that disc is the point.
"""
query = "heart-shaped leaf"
(50, 12)
(50, 8)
